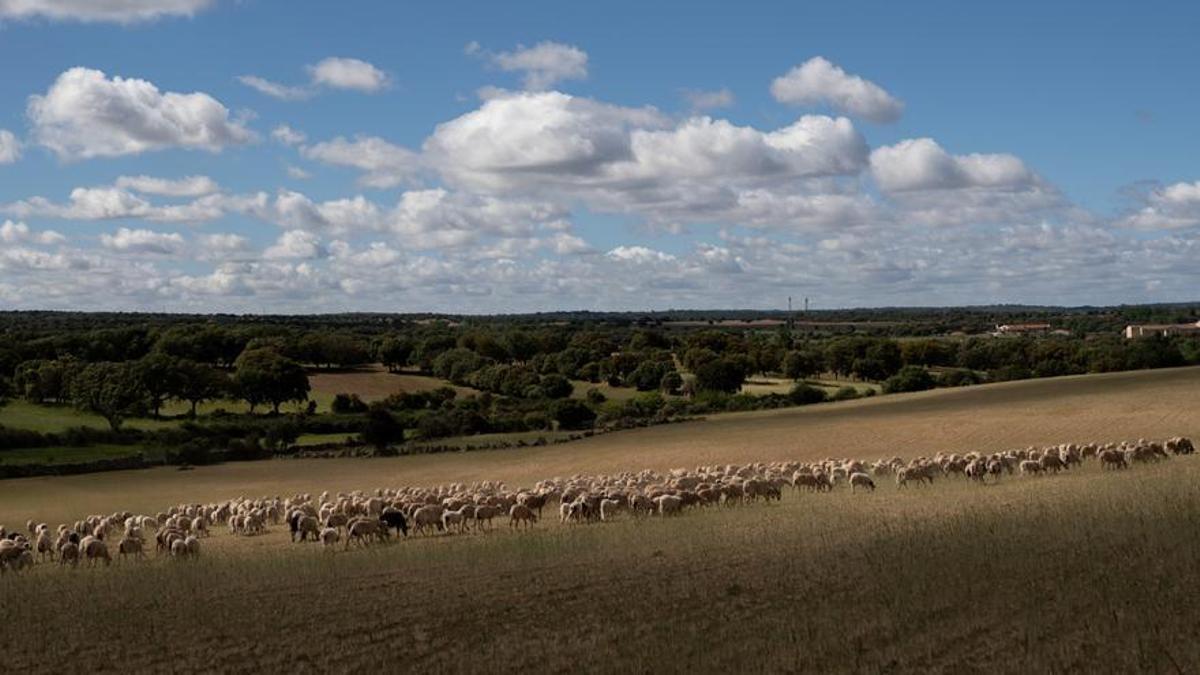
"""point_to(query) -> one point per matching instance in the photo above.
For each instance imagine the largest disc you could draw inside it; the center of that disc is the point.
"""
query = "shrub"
(910, 378)
(957, 378)
(846, 394)
(347, 403)
(803, 394)
(572, 415)
(595, 396)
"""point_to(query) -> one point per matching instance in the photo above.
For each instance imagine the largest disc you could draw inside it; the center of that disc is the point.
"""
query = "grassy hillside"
(1119, 406)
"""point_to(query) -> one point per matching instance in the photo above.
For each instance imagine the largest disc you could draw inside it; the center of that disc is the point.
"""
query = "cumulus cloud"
(922, 164)
(110, 11)
(20, 233)
(147, 242)
(282, 92)
(639, 254)
(347, 73)
(86, 114)
(820, 82)
(109, 202)
(383, 164)
(10, 147)
(1172, 207)
(543, 64)
(297, 173)
(295, 244)
(222, 246)
(188, 186)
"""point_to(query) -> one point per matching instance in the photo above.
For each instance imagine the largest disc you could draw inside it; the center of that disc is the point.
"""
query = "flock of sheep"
(361, 519)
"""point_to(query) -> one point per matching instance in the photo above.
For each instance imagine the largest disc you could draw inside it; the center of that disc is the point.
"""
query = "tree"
(724, 375)
(671, 383)
(381, 428)
(394, 353)
(199, 382)
(910, 378)
(572, 414)
(556, 386)
(45, 380)
(802, 364)
(112, 390)
(263, 376)
(5, 390)
(160, 378)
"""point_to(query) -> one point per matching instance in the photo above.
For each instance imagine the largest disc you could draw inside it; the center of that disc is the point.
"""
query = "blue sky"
(1013, 152)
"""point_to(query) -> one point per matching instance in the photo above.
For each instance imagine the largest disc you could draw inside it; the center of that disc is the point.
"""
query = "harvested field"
(892, 580)
(373, 383)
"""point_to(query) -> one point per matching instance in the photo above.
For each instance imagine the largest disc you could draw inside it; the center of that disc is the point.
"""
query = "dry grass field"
(1112, 407)
(1088, 571)
(373, 383)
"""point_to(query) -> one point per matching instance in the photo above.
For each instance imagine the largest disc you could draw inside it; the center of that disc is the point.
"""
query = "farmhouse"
(1149, 330)
(1022, 328)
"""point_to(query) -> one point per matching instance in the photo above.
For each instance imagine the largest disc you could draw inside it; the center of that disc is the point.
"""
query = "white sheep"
(859, 479)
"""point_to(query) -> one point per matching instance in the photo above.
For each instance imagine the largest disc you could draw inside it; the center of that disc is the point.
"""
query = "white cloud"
(282, 92)
(639, 254)
(10, 147)
(20, 233)
(188, 186)
(297, 173)
(543, 64)
(85, 114)
(1175, 206)
(383, 164)
(144, 242)
(700, 99)
(817, 82)
(295, 244)
(107, 203)
(922, 164)
(288, 136)
(222, 246)
(345, 73)
(112, 11)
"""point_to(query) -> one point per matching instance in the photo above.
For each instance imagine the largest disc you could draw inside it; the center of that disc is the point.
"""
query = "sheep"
(95, 549)
(362, 530)
(521, 514)
(1030, 467)
(193, 546)
(69, 553)
(44, 546)
(330, 537)
(1112, 459)
(179, 549)
(484, 515)
(609, 509)
(390, 517)
(453, 519)
(304, 526)
(860, 479)
(200, 526)
(428, 516)
(669, 505)
(130, 546)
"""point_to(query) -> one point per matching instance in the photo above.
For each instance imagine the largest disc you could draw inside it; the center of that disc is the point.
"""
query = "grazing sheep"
(428, 516)
(1112, 459)
(95, 549)
(859, 479)
(303, 526)
(609, 509)
(669, 505)
(484, 515)
(1030, 467)
(130, 546)
(390, 517)
(193, 546)
(521, 514)
(69, 553)
(330, 536)
(361, 530)
(453, 519)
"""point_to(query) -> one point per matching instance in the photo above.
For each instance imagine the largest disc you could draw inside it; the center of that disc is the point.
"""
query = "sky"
(264, 156)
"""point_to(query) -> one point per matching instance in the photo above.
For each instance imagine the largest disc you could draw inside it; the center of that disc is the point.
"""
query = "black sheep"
(394, 518)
